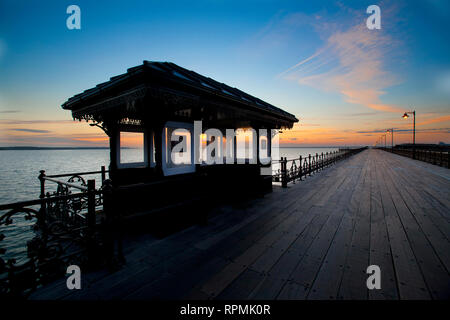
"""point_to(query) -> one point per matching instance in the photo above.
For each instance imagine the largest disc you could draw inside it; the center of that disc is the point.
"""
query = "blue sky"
(350, 79)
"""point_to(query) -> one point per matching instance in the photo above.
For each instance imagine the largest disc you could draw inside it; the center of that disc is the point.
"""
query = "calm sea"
(19, 171)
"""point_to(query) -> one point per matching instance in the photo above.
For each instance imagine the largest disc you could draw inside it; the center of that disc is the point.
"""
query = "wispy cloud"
(352, 63)
(434, 120)
(22, 122)
(430, 130)
(9, 111)
(360, 114)
(30, 130)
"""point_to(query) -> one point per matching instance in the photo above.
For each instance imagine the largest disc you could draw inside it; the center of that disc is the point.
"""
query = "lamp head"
(405, 116)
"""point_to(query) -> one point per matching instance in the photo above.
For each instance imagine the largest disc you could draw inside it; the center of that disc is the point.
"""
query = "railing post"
(309, 164)
(321, 162)
(317, 162)
(90, 218)
(300, 169)
(42, 180)
(292, 171)
(283, 172)
(43, 210)
(103, 174)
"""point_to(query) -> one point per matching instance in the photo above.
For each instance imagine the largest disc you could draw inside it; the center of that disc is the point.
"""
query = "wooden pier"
(313, 240)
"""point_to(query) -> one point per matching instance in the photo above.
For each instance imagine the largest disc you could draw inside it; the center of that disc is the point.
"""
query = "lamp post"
(405, 116)
(392, 138)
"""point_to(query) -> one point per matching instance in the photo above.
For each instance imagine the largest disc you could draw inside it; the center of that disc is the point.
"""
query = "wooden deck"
(313, 240)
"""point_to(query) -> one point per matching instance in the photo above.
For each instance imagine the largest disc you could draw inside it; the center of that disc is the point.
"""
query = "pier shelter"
(169, 116)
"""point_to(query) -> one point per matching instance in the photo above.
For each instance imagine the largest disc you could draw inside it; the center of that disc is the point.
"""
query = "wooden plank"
(217, 283)
(266, 261)
(242, 287)
(410, 280)
(310, 193)
(305, 272)
(353, 283)
(328, 279)
(295, 253)
(221, 280)
(439, 242)
(433, 271)
(380, 250)
(281, 272)
(293, 291)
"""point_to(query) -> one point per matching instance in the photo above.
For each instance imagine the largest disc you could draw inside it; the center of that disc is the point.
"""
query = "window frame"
(181, 169)
(147, 146)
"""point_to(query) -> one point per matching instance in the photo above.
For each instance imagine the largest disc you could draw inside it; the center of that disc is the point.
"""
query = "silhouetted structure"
(156, 98)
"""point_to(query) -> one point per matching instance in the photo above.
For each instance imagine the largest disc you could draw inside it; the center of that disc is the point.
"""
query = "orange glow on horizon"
(432, 128)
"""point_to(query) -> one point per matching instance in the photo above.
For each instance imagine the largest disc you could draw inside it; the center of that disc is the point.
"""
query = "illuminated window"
(213, 147)
(132, 150)
(246, 145)
(178, 148)
(264, 147)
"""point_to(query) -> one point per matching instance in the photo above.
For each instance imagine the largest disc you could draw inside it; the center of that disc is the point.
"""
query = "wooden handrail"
(72, 185)
(75, 174)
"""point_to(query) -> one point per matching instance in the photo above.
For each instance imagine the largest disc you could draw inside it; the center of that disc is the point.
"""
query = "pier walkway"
(313, 240)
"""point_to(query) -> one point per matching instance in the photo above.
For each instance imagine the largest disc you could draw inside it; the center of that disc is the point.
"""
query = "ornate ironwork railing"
(67, 229)
(299, 168)
(440, 158)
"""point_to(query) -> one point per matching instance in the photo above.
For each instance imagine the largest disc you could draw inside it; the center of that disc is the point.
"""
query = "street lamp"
(392, 138)
(405, 116)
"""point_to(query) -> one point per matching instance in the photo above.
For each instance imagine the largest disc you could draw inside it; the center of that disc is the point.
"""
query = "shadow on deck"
(313, 240)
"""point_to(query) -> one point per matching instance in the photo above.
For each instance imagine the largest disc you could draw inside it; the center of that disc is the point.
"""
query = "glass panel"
(203, 147)
(153, 152)
(264, 150)
(244, 143)
(131, 147)
(221, 147)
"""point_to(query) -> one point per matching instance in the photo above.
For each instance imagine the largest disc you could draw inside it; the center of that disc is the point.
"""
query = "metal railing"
(440, 158)
(299, 168)
(68, 228)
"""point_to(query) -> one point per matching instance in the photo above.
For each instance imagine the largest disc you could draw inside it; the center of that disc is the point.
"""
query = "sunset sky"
(315, 59)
